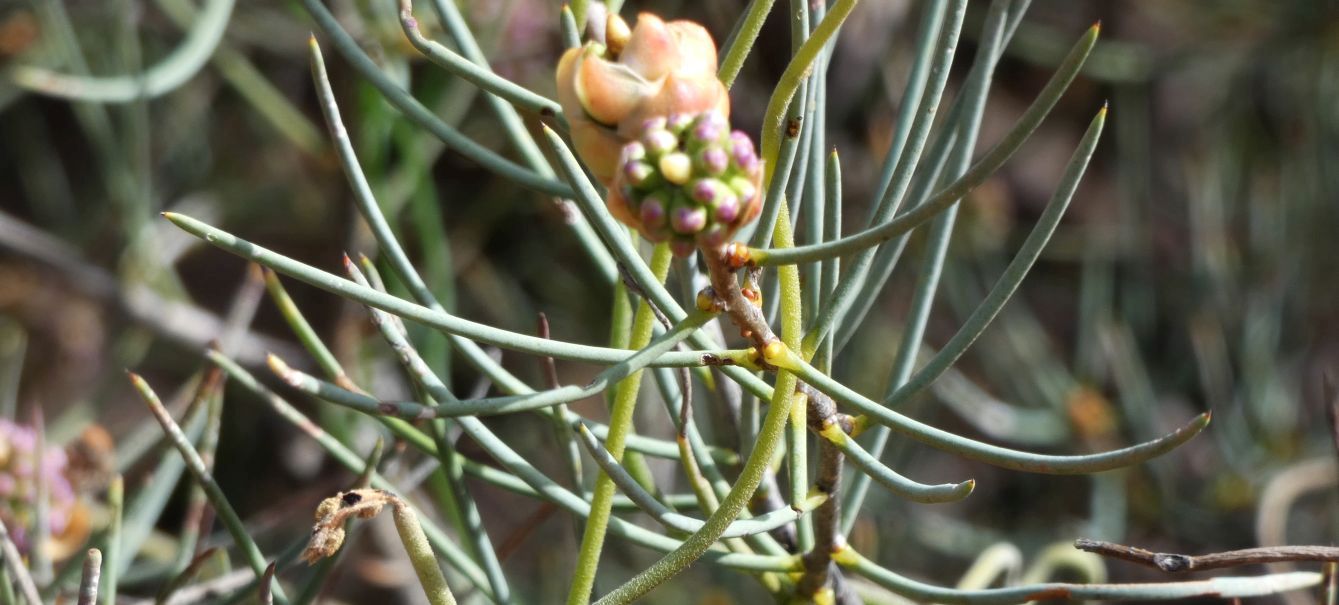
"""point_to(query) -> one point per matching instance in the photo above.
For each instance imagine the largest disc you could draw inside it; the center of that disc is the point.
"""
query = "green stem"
(770, 436)
(568, 26)
(173, 71)
(222, 507)
(478, 75)
(620, 425)
(539, 482)
(739, 48)
(673, 521)
(951, 194)
(115, 499)
(433, 317)
(799, 68)
(516, 130)
(578, 8)
(421, 115)
(355, 463)
(420, 555)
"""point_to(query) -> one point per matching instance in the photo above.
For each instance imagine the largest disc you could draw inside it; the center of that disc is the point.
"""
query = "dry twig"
(1174, 563)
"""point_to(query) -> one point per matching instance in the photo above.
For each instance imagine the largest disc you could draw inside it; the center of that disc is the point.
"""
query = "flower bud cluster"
(655, 68)
(688, 180)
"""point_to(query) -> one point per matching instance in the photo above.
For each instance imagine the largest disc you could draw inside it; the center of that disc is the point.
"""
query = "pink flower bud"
(741, 147)
(727, 208)
(704, 190)
(653, 212)
(714, 161)
(660, 141)
(637, 173)
(632, 151)
(688, 220)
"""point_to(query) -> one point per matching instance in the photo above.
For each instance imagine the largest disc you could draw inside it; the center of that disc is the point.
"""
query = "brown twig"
(1174, 563)
(827, 521)
(746, 315)
(819, 571)
(727, 294)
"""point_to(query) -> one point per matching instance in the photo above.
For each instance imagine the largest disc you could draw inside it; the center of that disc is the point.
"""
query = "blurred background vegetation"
(1197, 269)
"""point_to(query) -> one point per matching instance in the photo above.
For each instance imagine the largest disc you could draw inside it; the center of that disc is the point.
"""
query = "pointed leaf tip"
(1097, 27)
(281, 369)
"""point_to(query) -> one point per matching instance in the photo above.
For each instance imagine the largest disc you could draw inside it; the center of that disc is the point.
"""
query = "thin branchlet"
(1178, 563)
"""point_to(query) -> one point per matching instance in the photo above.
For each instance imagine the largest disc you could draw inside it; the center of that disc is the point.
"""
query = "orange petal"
(652, 49)
(696, 50)
(597, 146)
(723, 102)
(678, 95)
(567, 91)
(608, 91)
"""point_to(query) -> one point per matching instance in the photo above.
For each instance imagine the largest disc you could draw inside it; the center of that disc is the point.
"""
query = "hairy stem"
(773, 429)
(620, 425)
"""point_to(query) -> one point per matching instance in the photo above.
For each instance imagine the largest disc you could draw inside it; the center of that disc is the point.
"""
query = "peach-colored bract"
(663, 68)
